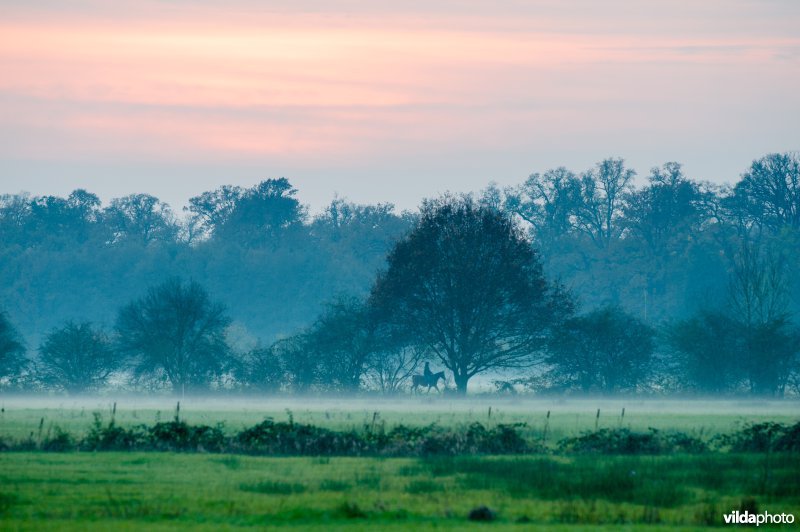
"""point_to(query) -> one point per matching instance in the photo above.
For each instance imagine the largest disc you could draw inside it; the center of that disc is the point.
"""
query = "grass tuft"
(273, 488)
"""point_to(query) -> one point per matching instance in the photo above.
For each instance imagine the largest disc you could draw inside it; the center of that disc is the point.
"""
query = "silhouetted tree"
(468, 286)
(709, 350)
(669, 208)
(211, 210)
(261, 369)
(769, 193)
(603, 191)
(548, 202)
(343, 340)
(759, 303)
(300, 364)
(395, 359)
(260, 215)
(366, 230)
(175, 329)
(12, 350)
(50, 221)
(77, 358)
(140, 218)
(606, 350)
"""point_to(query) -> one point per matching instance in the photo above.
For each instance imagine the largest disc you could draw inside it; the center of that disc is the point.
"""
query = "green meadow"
(80, 490)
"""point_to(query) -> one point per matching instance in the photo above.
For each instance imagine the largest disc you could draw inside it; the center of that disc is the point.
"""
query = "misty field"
(211, 491)
(22, 416)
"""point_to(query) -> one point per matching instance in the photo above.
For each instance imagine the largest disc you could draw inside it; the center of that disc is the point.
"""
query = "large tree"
(76, 357)
(175, 331)
(467, 284)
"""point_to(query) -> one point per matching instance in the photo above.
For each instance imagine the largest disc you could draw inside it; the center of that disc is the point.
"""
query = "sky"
(386, 101)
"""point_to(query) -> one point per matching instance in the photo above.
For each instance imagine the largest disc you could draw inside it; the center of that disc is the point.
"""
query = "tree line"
(566, 282)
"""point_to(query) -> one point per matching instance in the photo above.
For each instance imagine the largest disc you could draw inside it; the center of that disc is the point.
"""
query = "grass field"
(104, 490)
(159, 490)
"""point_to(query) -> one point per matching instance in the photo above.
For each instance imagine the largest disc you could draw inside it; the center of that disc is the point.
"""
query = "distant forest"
(672, 253)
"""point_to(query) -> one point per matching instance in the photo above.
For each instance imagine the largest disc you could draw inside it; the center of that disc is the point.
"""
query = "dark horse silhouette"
(430, 382)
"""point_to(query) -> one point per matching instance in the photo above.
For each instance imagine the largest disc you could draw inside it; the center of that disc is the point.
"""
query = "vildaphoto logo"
(761, 518)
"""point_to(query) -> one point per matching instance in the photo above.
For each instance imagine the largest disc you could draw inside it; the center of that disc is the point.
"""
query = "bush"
(269, 437)
(624, 441)
(111, 437)
(179, 436)
(789, 439)
(761, 438)
(60, 441)
(433, 440)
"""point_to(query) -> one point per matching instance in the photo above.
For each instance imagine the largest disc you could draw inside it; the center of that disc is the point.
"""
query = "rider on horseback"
(427, 380)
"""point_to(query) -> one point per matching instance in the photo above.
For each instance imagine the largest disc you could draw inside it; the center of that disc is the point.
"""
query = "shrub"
(789, 439)
(351, 510)
(624, 441)
(179, 436)
(111, 437)
(60, 441)
(482, 513)
(269, 437)
(760, 438)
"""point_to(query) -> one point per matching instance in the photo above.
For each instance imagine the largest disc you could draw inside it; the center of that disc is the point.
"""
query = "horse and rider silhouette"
(427, 380)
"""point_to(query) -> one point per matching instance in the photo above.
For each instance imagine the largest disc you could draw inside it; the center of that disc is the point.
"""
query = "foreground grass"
(172, 491)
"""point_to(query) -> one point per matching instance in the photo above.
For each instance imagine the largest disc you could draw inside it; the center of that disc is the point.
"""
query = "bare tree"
(759, 286)
(393, 362)
(759, 303)
(603, 191)
(549, 202)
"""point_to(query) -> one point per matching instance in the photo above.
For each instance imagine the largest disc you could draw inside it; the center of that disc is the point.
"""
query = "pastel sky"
(376, 102)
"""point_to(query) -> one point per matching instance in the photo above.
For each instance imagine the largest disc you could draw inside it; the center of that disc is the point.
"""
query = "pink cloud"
(284, 85)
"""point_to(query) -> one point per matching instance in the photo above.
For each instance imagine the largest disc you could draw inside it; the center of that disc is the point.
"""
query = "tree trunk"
(461, 383)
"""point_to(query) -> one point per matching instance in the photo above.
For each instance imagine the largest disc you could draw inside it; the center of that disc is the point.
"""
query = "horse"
(430, 382)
